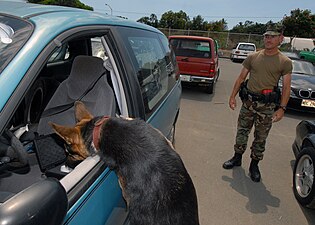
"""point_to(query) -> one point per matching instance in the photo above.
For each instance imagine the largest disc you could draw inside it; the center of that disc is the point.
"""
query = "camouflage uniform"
(265, 72)
(258, 114)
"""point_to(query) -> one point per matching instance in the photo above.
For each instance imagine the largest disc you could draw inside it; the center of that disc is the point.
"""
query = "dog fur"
(155, 183)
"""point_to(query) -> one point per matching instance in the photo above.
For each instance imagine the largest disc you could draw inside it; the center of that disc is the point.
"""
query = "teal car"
(308, 55)
(52, 56)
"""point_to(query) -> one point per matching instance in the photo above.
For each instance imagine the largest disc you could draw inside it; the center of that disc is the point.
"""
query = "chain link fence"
(226, 39)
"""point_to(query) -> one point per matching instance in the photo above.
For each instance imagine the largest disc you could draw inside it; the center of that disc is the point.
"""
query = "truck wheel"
(303, 177)
(209, 89)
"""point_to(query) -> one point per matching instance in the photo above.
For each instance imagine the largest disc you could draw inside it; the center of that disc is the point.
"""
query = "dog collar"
(97, 131)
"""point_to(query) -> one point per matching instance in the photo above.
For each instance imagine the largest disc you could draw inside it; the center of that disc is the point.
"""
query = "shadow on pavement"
(309, 214)
(259, 198)
(196, 93)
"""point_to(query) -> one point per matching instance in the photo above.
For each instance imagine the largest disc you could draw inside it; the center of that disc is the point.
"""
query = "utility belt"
(267, 96)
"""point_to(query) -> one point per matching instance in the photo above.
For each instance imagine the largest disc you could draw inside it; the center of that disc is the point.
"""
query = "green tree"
(219, 26)
(250, 27)
(152, 20)
(301, 23)
(180, 20)
(198, 23)
(69, 3)
(177, 20)
(145, 20)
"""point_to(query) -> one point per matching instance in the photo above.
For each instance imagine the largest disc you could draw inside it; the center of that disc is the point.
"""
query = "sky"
(233, 11)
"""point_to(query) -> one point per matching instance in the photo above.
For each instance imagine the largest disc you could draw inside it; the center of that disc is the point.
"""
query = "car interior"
(29, 151)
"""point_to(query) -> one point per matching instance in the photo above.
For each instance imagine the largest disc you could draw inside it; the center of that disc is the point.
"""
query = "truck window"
(191, 48)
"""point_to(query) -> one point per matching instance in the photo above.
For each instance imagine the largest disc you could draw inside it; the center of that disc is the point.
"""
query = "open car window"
(22, 161)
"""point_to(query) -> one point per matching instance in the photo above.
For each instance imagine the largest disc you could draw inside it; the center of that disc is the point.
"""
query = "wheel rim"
(304, 176)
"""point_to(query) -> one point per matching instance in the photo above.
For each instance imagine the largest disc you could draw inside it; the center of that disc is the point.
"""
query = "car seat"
(100, 100)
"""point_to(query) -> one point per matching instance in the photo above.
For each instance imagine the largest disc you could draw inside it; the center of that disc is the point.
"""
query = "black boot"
(235, 161)
(254, 171)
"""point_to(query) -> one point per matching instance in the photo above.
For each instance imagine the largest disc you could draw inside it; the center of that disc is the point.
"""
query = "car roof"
(48, 23)
(291, 55)
(301, 61)
(29, 11)
(191, 37)
(246, 43)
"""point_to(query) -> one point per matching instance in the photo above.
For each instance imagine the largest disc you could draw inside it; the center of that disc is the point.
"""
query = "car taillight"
(212, 70)
(237, 52)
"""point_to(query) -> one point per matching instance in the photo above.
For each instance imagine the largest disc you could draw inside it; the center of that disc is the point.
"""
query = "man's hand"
(278, 115)
(232, 103)
(236, 87)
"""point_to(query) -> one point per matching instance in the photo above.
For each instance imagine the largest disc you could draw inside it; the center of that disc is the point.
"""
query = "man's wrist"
(283, 107)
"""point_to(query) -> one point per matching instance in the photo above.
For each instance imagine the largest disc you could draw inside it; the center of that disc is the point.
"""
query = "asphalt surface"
(205, 136)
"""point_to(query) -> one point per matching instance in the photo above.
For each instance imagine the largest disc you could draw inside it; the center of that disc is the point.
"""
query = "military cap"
(274, 29)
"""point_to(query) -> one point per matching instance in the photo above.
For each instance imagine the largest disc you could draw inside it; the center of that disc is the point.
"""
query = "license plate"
(308, 103)
(185, 77)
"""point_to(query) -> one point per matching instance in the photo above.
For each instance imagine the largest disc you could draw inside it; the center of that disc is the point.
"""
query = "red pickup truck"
(198, 60)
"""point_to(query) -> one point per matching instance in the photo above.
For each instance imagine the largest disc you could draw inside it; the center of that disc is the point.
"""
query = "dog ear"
(71, 135)
(81, 112)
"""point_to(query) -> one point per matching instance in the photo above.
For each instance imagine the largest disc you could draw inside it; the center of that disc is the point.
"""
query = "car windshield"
(303, 67)
(246, 47)
(191, 48)
(13, 34)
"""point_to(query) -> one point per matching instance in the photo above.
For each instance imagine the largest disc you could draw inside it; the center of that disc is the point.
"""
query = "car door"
(150, 91)
(152, 76)
(92, 191)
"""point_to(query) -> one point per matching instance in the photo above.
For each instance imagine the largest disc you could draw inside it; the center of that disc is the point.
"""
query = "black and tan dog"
(155, 184)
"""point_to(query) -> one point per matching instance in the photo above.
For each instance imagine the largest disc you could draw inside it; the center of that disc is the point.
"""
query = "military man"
(261, 102)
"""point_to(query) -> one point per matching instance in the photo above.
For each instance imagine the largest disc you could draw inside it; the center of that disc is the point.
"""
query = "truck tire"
(209, 89)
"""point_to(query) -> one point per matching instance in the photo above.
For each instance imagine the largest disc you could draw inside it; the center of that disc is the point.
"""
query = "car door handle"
(185, 59)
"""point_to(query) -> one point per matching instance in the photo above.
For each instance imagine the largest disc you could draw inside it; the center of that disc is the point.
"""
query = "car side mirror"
(45, 202)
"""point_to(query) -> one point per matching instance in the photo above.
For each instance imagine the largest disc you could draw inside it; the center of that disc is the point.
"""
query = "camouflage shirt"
(265, 70)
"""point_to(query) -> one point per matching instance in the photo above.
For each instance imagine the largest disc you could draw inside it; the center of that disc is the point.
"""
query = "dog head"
(79, 137)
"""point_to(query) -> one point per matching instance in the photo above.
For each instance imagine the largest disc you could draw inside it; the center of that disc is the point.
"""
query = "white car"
(242, 50)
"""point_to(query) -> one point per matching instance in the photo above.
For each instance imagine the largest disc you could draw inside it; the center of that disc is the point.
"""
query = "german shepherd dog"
(155, 184)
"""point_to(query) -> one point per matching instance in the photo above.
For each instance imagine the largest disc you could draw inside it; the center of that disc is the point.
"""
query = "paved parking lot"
(205, 135)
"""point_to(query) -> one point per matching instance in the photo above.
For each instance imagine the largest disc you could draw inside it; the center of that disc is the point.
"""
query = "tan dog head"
(73, 137)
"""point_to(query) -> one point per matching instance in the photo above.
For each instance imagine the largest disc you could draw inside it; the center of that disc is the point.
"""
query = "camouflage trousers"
(255, 114)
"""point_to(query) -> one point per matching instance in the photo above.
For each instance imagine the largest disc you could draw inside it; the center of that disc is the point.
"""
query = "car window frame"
(123, 33)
